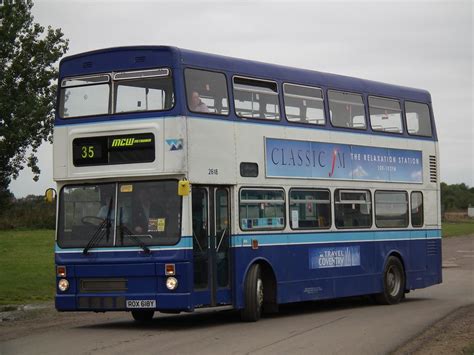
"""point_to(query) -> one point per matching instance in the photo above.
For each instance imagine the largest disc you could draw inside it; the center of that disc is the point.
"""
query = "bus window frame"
(116, 196)
(408, 204)
(432, 134)
(263, 188)
(368, 192)
(112, 100)
(60, 109)
(423, 209)
(323, 99)
(402, 116)
(226, 86)
(364, 103)
(311, 189)
(244, 118)
(114, 93)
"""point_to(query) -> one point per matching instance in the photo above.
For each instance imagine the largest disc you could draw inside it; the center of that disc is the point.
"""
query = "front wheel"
(393, 282)
(143, 315)
(253, 295)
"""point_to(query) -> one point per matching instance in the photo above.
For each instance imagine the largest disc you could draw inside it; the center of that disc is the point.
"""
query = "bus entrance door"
(211, 233)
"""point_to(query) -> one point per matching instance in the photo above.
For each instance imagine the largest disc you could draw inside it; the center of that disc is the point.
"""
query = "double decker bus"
(190, 180)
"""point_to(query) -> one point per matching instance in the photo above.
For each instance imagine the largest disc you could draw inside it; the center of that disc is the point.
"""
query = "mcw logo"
(128, 142)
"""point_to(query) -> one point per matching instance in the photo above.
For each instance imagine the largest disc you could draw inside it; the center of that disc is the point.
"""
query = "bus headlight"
(171, 283)
(63, 285)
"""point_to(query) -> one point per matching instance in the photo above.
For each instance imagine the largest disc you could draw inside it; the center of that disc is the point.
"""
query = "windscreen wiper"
(99, 232)
(131, 235)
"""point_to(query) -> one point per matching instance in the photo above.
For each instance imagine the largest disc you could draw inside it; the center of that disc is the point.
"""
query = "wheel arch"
(399, 255)
(269, 282)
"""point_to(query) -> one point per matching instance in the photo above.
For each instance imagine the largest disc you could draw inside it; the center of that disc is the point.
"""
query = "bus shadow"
(211, 318)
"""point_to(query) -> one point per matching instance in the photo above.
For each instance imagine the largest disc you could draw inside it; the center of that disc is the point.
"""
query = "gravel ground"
(453, 334)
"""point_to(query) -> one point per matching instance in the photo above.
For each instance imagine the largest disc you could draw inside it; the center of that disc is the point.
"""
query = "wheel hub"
(393, 281)
(260, 292)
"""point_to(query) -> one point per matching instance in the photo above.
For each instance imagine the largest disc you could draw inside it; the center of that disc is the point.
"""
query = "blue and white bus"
(190, 180)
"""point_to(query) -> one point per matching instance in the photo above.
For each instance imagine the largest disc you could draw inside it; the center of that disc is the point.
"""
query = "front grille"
(102, 285)
(99, 303)
(433, 169)
(431, 247)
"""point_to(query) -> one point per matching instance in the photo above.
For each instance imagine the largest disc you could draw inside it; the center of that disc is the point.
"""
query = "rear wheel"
(143, 315)
(393, 282)
(253, 294)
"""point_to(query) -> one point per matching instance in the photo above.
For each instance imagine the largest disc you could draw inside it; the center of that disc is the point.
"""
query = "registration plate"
(141, 304)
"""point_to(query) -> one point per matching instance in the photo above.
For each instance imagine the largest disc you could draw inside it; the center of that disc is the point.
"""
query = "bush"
(31, 212)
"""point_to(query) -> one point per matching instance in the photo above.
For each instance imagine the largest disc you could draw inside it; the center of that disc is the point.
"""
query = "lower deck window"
(262, 209)
(353, 209)
(391, 209)
(310, 209)
(417, 209)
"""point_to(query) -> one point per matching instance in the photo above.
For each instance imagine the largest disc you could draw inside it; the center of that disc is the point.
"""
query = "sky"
(421, 44)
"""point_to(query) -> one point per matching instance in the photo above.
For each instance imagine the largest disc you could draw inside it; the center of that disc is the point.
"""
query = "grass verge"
(452, 229)
(26, 266)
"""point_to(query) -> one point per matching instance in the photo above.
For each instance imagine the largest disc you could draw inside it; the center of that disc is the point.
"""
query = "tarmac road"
(349, 326)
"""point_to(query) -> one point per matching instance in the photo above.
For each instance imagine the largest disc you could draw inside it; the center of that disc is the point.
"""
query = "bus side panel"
(304, 275)
(300, 278)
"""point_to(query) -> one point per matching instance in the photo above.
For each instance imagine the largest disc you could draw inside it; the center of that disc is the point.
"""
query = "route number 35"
(87, 152)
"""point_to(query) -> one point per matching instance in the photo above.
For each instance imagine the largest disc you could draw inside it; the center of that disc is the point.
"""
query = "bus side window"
(255, 98)
(353, 208)
(418, 119)
(385, 115)
(391, 209)
(262, 209)
(346, 109)
(310, 209)
(206, 92)
(417, 209)
(304, 104)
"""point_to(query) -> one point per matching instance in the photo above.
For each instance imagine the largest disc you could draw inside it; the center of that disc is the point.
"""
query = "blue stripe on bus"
(268, 239)
(333, 237)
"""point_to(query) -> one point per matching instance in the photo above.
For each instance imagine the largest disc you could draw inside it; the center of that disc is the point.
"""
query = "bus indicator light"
(61, 271)
(254, 243)
(169, 270)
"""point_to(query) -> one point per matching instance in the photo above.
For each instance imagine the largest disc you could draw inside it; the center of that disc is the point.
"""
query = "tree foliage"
(456, 197)
(28, 54)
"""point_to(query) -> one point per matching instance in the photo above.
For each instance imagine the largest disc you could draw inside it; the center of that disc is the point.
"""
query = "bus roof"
(238, 66)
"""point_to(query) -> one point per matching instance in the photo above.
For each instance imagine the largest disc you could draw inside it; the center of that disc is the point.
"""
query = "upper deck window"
(256, 99)
(206, 92)
(304, 104)
(146, 90)
(418, 119)
(133, 91)
(346, 110)
(385, 115)
(84, 96)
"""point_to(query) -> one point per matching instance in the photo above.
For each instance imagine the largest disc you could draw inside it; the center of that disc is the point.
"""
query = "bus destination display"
(107, 150)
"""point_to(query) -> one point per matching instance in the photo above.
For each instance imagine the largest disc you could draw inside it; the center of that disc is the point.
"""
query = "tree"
(28, 55)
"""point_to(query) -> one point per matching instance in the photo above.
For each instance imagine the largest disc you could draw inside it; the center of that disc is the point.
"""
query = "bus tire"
(142, 316)
(393, 282)
(253, 295)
